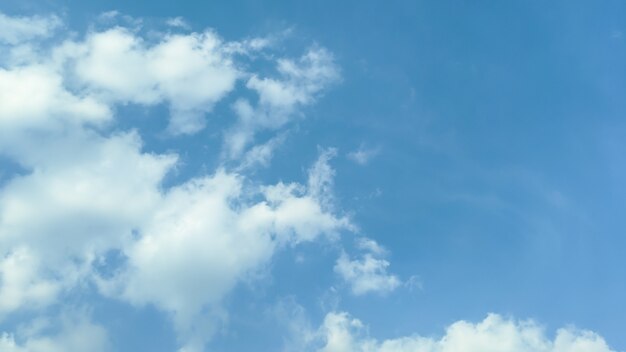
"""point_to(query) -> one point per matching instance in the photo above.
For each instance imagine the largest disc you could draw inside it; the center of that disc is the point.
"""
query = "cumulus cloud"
(33, 97)
(367, 274)
(191, 72)
(90, 194)
(86, 194)
(90, 189)
(21, 286)
(206, 236)
(342, 333)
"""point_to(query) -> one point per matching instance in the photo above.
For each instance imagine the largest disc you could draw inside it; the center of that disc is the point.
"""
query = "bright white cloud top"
(91, 189)
(342, 333)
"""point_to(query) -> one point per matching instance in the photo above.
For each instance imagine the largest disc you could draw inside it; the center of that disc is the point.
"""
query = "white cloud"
(321, 176)
(260, 155)
(300, 80)
(206, 237)
(291, 317)
(369, 245)
(72, 332)
(21, 286)
(197, 240)
(87, 191)
(86, 195)
(178, 22)
(362, 156)
(34, 97)
(342, 333)
(108, 15)
(190, 72)
(14, 30)
(298, 84)
(367, 274)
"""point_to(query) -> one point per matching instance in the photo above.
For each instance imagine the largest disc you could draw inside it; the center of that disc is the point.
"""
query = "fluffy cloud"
(86, 195)
(14, 30)
(206, 236)
(190, 72)
(88, 188)
(342, 333)
(194, 243)
(33, 97)
(87, 191)
(21, 285)
(368, 273)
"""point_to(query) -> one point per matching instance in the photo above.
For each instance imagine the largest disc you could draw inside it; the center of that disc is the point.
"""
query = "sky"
(356, 176)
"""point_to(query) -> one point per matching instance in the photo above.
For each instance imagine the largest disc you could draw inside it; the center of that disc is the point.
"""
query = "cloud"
(15, 30)
(33, 97)
(342, 333)
(90, 189)
(178, 22)
(20, 285)
(321, 176)
(260, 155)
(190, 72)
(77, 204)
(367, 274)
(298, 84)
(184, 249)
(362, 156)
(71, 332)
(300, 80)
(205, 237)
(369, 245)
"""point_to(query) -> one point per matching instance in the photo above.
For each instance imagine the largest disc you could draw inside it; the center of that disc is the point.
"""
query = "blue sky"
(312, 176)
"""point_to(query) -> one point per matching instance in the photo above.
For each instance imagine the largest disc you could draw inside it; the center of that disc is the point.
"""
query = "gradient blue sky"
(493, 165)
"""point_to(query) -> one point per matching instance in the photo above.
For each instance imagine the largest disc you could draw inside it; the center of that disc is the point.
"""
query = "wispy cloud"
(367, 274)
(17, 30)
(363, 155)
